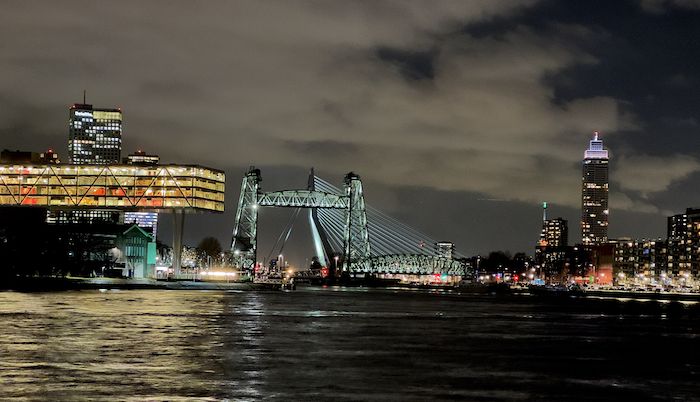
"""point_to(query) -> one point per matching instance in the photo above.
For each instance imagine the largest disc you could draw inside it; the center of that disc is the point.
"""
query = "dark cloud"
(412, 65)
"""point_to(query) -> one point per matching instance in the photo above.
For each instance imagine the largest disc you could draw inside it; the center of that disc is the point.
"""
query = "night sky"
(461, 117)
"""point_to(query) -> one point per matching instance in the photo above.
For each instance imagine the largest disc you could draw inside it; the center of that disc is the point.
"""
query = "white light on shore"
(218, 273)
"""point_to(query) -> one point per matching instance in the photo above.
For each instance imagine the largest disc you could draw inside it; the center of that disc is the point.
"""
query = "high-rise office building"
(594, 209)
(95, 136)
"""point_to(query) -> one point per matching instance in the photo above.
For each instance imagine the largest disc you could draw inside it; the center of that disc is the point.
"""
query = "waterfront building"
(684, 244)
(139, 253)
(594, 201)
(114, 187)
(641, 262)
(86, 202)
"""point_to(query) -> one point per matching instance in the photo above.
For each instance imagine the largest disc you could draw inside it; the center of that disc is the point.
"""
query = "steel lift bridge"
(348, 234)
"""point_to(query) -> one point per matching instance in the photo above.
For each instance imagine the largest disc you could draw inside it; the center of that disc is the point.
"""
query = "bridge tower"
(356, 237)
(245, 230)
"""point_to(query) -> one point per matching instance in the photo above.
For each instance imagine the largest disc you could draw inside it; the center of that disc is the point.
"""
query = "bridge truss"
(347, 233)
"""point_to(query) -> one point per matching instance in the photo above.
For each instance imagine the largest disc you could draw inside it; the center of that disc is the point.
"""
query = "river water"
(344, 344)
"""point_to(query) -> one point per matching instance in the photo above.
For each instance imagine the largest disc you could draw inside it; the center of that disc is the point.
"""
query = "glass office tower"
(95, 136)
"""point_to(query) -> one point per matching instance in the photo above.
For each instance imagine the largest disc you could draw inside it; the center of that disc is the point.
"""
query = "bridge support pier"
(178, 230)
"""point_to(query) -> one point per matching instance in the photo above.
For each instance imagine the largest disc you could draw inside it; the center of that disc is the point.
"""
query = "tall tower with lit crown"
(594, 206)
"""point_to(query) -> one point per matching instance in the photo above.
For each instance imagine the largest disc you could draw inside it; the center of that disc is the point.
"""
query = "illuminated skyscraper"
(594, 209)
(95, 136)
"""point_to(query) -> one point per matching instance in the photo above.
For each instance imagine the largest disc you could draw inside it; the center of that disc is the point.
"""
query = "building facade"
(642, 262)
(594, 201)
(141, 158)
(158, 188)
(555, 233)
(445, 249)
(143, 219)
(552, 248)
(95, 136)
(684, 244)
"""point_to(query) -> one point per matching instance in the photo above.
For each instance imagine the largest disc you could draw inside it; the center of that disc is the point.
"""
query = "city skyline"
(460, 117)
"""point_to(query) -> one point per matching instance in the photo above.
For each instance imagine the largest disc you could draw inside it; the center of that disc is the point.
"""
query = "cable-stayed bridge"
(348, 235)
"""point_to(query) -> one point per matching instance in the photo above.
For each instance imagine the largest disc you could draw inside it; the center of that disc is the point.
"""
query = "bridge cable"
(387, 234)
(288, 229)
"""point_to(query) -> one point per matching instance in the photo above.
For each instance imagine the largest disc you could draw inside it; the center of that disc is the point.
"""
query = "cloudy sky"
(461, 117)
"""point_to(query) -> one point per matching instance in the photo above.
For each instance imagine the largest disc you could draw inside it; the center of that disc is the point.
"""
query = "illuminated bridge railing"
(303, 199)
(415, 264)
(129, 187)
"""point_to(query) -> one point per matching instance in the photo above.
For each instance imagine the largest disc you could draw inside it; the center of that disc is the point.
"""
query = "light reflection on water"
(318, 344)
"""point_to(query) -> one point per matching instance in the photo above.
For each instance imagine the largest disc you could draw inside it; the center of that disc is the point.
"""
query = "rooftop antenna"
(84, 97)
(544, 211)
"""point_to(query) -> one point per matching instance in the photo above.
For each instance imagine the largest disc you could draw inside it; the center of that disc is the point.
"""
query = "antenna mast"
(544, 211)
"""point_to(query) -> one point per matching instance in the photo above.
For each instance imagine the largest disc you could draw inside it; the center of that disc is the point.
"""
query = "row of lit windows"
(155, 204)
(92, 190)
(101, 181)
(169, 172)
